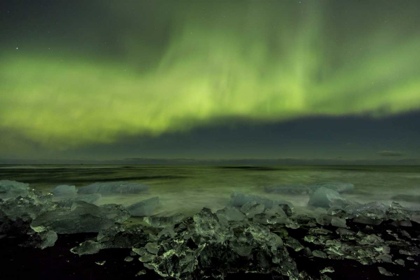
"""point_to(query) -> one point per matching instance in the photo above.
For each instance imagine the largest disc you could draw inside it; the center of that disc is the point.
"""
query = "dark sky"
(210, 79)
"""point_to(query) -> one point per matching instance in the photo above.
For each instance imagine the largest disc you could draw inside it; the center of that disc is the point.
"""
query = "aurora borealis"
(74, 76)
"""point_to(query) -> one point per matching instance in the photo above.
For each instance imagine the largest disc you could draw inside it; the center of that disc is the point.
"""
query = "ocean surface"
(187, 189)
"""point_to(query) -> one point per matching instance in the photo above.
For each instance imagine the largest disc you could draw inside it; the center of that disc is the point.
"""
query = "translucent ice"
(144, 208)
(64, 190)
(230, 214)
(81, 217)
(9, 189)
(88, 247)
(324, 197)
(252, 208)
(89, 198)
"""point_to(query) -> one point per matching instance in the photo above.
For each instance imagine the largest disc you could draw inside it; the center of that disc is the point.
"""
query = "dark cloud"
(390, 154)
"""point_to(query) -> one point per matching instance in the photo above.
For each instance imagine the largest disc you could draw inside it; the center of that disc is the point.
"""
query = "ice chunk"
(294, 244)
(10, 189)
(324, 197)
(48, 239)
(89, 247)
(338, 187)
(41, 238)
(370, 213)
(344, 232)
(338, 222)
(376, 210)
(26, 207)
(114, 188)
(162, 222)
(64, 190)
(141, 272)
(319, 254)
(144, 208)
(81, 217)
(252, 208)
(328, 269)
(323, 219)
(231, 214)
(88, 198)
(385, 272)
(400, 262)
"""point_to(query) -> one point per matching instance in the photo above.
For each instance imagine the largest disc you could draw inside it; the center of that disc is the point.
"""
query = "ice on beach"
(144, 208)
(324, 197)
(230, 214)
(25, 207)
(113, 188)
(252, 208)
(89, 198)
(88, 247)
(163, 222)
(81, 217)
(338, 187)
(9, 189)
(64, 190)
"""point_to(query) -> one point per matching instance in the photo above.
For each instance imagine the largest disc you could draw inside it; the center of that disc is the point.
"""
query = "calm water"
(189, 188)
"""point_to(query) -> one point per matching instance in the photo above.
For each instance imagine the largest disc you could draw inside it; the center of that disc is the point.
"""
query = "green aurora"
(259, 61)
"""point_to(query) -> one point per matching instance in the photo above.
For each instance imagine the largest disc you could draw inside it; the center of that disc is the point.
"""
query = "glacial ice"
(324, 197)
(252, 208)
(338, 187)
(113, 188)
(230, 214)
(26, 207)
(88, 247)
(162, 222)
(144, 208)
(88, 198)
(338, 222)
(250, 237)
(11, 189)
(64, 190)
(81, 217)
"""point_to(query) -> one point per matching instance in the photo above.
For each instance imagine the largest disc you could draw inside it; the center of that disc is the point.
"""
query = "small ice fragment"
(385, 272)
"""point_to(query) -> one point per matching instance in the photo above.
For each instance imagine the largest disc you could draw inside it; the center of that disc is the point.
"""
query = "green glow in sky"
(257, 61)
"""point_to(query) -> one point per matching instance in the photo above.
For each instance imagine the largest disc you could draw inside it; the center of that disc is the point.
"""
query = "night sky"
(301, 79)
